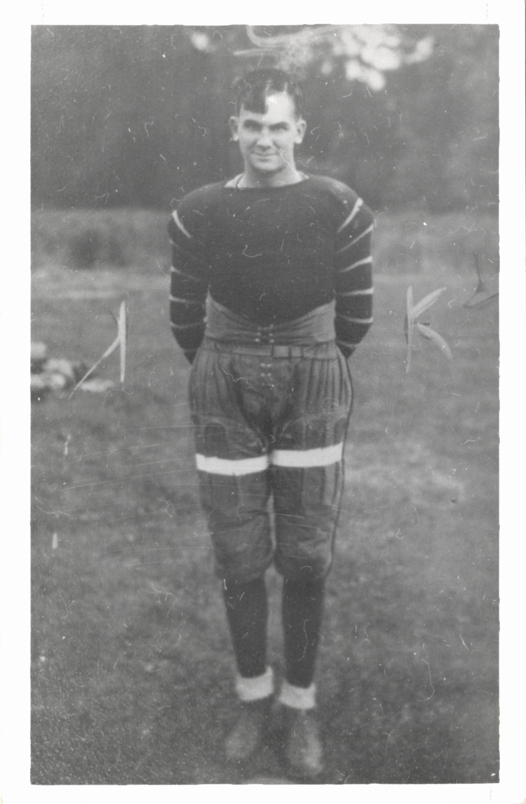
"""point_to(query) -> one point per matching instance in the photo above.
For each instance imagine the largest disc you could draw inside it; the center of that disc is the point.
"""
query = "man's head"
(253, 89)
(267, 125)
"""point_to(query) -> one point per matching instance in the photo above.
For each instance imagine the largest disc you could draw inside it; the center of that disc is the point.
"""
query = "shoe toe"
(247, 734)
(304, 747)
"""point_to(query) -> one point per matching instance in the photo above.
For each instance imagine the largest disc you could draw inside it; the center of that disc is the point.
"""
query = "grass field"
(131, 664)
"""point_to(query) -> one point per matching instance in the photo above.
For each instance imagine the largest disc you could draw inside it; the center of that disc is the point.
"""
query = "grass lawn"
(131, 664)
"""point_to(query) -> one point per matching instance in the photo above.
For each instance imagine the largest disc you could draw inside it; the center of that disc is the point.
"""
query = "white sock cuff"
(298, 697)
(252, 689)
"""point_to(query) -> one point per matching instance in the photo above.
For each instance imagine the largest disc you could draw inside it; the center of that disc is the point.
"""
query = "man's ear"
(301, 126)
(234, 125)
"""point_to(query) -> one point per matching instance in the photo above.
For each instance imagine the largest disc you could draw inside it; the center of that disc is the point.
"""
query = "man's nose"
(264, 140)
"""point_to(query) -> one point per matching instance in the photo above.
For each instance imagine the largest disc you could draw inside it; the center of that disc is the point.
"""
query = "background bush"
(85, 239)
(137, 239)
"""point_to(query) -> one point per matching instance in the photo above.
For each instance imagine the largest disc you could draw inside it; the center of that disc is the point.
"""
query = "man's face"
(267, 140)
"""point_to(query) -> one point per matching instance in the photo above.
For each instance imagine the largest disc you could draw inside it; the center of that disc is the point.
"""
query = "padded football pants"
(270, 425)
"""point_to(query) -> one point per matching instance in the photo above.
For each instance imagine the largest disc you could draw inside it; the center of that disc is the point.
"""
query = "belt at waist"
(319, 350)
(315, 327)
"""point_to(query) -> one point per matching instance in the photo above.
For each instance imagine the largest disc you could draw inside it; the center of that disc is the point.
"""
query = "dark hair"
(253, 89)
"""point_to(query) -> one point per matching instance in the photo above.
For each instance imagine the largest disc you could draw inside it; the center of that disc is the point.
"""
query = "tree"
(138, 115)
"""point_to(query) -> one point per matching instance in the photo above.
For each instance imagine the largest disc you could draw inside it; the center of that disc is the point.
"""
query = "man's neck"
(253, 179)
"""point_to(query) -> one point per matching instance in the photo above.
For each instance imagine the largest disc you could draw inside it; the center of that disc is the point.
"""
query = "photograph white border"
(18, 18)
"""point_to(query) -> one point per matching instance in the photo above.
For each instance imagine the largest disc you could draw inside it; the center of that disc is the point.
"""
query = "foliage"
(410, 323)
(90, 239)
(119, 343)
(138, 115)
(367, 51)
(137, 240)
(483, 294)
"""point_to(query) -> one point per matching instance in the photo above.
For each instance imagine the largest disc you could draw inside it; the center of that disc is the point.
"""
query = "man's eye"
(251, 126)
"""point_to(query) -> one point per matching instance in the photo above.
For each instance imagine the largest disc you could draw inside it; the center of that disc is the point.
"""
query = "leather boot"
(249, 731)
(303, 746)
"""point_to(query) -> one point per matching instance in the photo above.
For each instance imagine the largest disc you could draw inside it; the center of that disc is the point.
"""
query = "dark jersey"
(272, 255)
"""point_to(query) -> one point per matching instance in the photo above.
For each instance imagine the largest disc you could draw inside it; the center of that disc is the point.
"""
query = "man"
(270, 293)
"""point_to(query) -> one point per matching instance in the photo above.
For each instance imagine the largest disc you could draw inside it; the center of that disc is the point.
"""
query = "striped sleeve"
(353, 275)
(188, 282)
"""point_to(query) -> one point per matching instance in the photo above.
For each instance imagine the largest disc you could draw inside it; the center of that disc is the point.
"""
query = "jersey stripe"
(307, 458)
(365, 261)
(355, 209)
(178, 272)
(356, 239)
(224, 466)
(367, 292)
(178, 300)
(186, 326)
(352, 320)
(180, 226)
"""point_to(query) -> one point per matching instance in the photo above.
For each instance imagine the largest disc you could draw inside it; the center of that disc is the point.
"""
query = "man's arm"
(188, 285)
(353, 280)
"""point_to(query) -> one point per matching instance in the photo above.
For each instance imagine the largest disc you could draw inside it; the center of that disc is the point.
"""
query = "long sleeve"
(353, 280)
(188, 284)
(272, 255)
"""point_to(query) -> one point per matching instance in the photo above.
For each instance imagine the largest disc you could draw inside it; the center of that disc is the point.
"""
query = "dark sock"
(247, 614)
(302, 611)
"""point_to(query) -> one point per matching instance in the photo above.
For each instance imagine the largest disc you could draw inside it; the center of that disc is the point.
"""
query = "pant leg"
(307, 467)
(232, 464)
